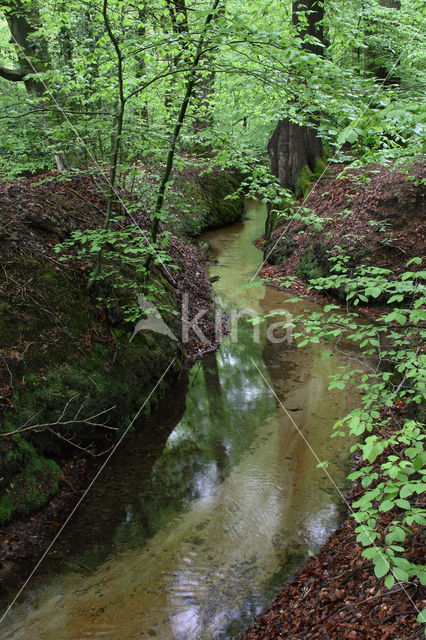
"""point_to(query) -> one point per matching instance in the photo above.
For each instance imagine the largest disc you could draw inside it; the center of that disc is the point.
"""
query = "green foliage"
(257, 72)
(125, 251)
(30, 489)
(392, 448)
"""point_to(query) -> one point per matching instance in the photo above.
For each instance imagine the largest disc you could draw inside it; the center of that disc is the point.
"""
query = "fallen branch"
(89, 421)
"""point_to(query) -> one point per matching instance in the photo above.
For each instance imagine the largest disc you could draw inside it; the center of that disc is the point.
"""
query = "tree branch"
(14, 75)
(60, 422)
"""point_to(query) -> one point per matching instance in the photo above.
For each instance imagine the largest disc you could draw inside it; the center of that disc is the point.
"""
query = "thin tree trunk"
(115, 140)
(191, 82)
(179, 19)
(372, 53)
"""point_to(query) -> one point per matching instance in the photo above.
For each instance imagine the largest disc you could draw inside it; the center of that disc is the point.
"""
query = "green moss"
(313, 262)
(30, 489)
(57, 368)
(320, 167)
(278, 253)
(304, 182)
(217, 185)
(6, 509)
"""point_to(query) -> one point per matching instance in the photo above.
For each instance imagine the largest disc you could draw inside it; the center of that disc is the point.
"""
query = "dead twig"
(89, 421)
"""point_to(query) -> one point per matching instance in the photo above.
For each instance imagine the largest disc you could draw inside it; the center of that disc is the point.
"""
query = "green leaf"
(397, 534)
(375, 292)
(386, 505)
(389, 581)
(422, 616)
(406, 491)
(372, 552)
(381, 566)
(401, 575)
(403, 504)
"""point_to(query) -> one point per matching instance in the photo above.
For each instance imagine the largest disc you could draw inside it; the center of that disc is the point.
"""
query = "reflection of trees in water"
(112, 510)
(283, 361)
(226, 404)
(217, 410)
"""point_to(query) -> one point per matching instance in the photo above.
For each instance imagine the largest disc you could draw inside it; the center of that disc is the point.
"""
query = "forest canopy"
(66, 67)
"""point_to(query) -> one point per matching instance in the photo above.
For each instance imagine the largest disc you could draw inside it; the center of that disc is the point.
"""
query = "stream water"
(202, 515)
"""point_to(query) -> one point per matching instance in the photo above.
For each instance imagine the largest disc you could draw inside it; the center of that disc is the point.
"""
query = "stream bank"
(337, 596)
(64, 350)
(375, 214)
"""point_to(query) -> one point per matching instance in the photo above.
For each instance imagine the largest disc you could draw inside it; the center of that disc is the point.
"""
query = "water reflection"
(202, 533)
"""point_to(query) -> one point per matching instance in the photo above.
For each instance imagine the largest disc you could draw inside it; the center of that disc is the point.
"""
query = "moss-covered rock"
(279, 252)
(313, 262)
(70, 368)
(217, 185)
(200, 201)
(68, 374)
(30, 488)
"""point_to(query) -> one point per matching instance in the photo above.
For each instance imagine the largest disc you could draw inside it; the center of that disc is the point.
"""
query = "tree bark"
(312, 23)
(293, 147)
(390, 4)
(32, 53)
(179, 18)
(13, 75)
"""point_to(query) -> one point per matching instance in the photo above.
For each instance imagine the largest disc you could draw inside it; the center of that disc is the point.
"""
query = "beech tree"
(23, 18)
(294, 147)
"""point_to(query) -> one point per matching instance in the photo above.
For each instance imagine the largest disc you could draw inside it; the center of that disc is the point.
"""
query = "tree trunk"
(33, 56)
(32, 53)
(179, 20)
(311, 24)
(390, 4)
(291, 148)
(204, 118)
(295, 151)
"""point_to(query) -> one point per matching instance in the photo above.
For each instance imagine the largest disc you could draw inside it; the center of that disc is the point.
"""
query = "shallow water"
(201, 515)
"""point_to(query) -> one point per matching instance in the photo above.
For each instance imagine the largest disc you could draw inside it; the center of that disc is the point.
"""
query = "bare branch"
(78, 446)
(89, 421)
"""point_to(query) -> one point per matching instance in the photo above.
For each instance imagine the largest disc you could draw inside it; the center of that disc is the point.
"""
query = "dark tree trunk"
(295, 148)
(313, 14)
(32, 52)
(390, 4)
(204, 117)
(291, 148)
(179, 19)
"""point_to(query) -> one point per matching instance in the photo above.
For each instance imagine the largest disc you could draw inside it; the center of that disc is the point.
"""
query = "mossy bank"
(71, 377)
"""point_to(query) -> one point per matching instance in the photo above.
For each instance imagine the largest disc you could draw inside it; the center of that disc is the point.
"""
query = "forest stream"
(202, 515)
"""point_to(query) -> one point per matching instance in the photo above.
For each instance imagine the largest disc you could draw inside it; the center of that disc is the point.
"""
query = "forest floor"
(336, 596)
(376, 215)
